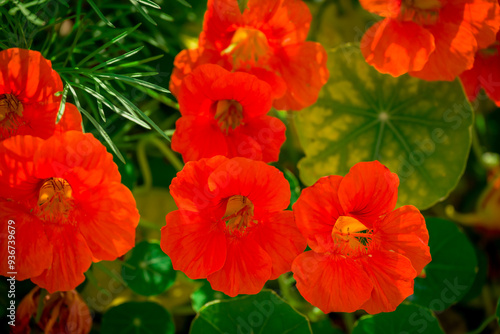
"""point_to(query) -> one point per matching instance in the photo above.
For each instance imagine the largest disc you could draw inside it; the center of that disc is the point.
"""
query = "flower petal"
(316, 212)
(279, 237)
(396, 47)
(33, 253)
(368, 191)
(330, 282)
(71, 119)
(392, 275)
(264, 185)
(246, 270)
(107, 217)
(482, 17)
(384, 8)
(404, 232)
(196, 246)
(71, 259)
(303, 67)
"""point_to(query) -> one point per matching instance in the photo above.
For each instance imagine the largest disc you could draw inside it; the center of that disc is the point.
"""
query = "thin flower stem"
(349, 321)
(478, 149)
(144, 165)
(39, 309)
(468, 219)
(484, 325)
(167, 152)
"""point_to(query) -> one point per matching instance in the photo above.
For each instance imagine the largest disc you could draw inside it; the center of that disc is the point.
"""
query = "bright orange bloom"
(68, 207)
(28, 105)
(267, 40)
(62, 312)
(224, 113)
(429, 39)
(364, 255)
(231, 227)
(485, 73)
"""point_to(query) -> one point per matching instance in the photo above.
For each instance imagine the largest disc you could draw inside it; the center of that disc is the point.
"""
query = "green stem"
(468, 219)
(484, 325)
(167, 152)
(41, 304)
(349, 321)
(144, 165)
(478, 149)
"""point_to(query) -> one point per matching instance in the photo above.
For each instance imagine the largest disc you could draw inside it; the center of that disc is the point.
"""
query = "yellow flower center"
(239, 214)
(424, 12)
(350, 236)
(248, 47)
(55, 200)
(228, 114)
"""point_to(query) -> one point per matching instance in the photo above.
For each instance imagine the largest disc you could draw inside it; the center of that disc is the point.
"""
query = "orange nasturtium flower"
(429, 39)
(485, 73)
(28, 105)
(364, 255)
(224, 113)
(231, 227)
(67, 206)
(267, 40)
(62, 312)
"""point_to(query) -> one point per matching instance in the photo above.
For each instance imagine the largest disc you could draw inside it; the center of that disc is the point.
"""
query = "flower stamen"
(228, 114)
(239, 214)
(55, 200)
(350, 236)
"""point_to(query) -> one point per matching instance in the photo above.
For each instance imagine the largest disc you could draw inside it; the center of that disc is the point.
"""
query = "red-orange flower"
(231, 227)
(28, 105)
(429, 39)
(224, 113)
(485, 73)
(364, 255)
(267, 40)
(64, 200)
(62, 312)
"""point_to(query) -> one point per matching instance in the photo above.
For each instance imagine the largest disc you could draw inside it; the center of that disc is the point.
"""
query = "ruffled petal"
(107, 217)
(62, 154)
(384, 8)
(190, 188)
(470, 79)
(71, 259)
(195, 95)
(196, 245)
(269, 134)
(218, 24)
(330, 282)
(29, 76)
(368, 191)
(253, 94)
(454, 53)
(240, 144)
(392, 275)
(264, 185)
(279, 237)
(17, 179)
(316, 212)
(246, 270)
(38, 120)
(71, 119)
(396, 47)
(481, 16)
(490, 77)
(404, 232)
(197, 138)
(33, 252)
(277, 84)
(303, 68)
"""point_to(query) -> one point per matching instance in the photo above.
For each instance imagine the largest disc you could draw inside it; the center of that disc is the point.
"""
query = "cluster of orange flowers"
(63, 190)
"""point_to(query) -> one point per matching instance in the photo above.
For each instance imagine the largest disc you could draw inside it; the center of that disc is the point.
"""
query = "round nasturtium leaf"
(137, 318)
(452, 271)
(204, 295)
(149, 270)
(420, 130)
(406, 319)
(265, 312)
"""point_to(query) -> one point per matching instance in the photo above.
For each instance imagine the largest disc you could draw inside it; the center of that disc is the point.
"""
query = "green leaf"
(204, 295)
(265, 312)
(497, 313)
(100, 14)
(116, 59)
(148, 271)
(142, 11)
(452, 270)
(149, 3)
(132, 80)
(420, 130)
(406, 319)
(137, 318)
(108, 44)
(294, 186)
(324, 326)
(62, 106)
(184, 2)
